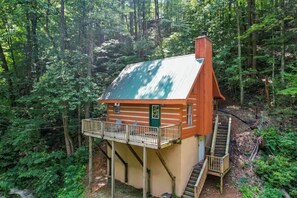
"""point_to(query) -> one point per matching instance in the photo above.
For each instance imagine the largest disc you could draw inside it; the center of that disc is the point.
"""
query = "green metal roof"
(168, 78)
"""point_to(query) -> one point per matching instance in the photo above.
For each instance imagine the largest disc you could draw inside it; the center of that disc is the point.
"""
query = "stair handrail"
(214, 137)
(201, 179)
(228, 136)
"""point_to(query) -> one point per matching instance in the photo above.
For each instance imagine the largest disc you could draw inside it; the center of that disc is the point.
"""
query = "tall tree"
(8, 77)
(238, 16)
(65, 104)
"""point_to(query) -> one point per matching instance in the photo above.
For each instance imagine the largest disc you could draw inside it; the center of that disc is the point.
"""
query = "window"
(189, 115)
(116, 108)
(155, 111)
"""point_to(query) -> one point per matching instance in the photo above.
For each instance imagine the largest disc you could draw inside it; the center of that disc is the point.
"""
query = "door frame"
(156, 120)
(201, 148)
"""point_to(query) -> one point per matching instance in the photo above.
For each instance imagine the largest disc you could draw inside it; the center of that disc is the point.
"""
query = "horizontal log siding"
(129, 113)
(189, 131)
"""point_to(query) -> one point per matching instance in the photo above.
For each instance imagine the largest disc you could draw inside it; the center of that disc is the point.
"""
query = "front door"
(155, 115)
(201, 148)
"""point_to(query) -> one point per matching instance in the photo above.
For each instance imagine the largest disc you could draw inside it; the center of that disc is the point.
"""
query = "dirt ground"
(241, 145)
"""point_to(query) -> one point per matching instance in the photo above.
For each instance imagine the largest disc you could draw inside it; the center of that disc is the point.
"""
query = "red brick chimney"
(203, 47)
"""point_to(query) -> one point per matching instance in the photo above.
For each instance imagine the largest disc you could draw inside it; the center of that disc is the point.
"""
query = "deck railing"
(218, 164)
(133, 134)
(201, 179)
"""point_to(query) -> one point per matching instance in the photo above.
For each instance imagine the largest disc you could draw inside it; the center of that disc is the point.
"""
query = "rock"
(22, 193)
(240, 162)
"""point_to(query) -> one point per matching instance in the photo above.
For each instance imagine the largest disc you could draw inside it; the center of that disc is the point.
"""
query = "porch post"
(90, 162)
(144, 172)
(112, 169)
(221, 185)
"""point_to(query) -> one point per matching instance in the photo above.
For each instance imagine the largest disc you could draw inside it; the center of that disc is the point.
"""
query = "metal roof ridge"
(166, 58)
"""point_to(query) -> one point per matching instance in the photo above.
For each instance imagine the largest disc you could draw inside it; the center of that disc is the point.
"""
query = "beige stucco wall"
(179, 158)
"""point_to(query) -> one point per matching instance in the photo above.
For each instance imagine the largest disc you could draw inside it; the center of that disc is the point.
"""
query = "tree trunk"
(47, 31)
(254, 38)
(68, 139)
(38, 68)
(238, 15)
(7, 76)
(29, 55)
(157, 18)
(249, 24)
(62, 28)
(135, 20)
(282, 32)
(144, 19)
(79, 126)
(90, 64)
(131, 19)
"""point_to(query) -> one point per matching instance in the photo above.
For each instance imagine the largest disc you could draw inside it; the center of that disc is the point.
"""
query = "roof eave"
(144, 101)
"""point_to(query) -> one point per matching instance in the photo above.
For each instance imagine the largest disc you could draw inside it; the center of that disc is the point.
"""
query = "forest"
(58, 56)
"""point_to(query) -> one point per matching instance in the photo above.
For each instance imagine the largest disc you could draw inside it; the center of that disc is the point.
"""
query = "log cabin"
(160, 124)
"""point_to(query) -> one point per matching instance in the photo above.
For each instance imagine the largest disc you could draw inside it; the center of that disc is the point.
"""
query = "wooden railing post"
(222, 165)
(127, 133)
(180, 130)
(82, 126)
(159, 137)
(102, 128)
(228, 136)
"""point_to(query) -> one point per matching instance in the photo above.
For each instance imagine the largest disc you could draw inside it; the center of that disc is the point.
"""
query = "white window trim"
(116, 108)
(189, 114)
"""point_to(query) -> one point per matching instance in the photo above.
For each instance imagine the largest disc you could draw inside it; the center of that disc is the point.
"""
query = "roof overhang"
(216, 89)
(145, 101)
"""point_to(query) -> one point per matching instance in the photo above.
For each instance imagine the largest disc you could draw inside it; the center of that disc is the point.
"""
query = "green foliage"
(64, 86)
(249, 191)
(25, 162)
(278, 170)
(74, 175)
(73, 182)
(270, 192)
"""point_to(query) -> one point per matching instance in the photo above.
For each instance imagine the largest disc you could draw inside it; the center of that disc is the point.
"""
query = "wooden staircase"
(189, 191)
(217, 163)
(221, 140)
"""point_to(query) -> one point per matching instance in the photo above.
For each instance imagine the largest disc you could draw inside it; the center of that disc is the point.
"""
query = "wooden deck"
(151, 137)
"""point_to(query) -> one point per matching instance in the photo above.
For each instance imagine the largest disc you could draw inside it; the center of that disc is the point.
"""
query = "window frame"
(189, 114)
(116, 108)
(153, 113)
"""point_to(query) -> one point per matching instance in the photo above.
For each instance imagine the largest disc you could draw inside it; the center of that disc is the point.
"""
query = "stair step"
(222, 134)
(221, 140)
(221, 143)
(223, 126)
(194, 177)
(220, 146)
(196, 171)
(189, 193)
(191, 185)
(186, 196)
(219, 154)
(189, 189)
(193, 182)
